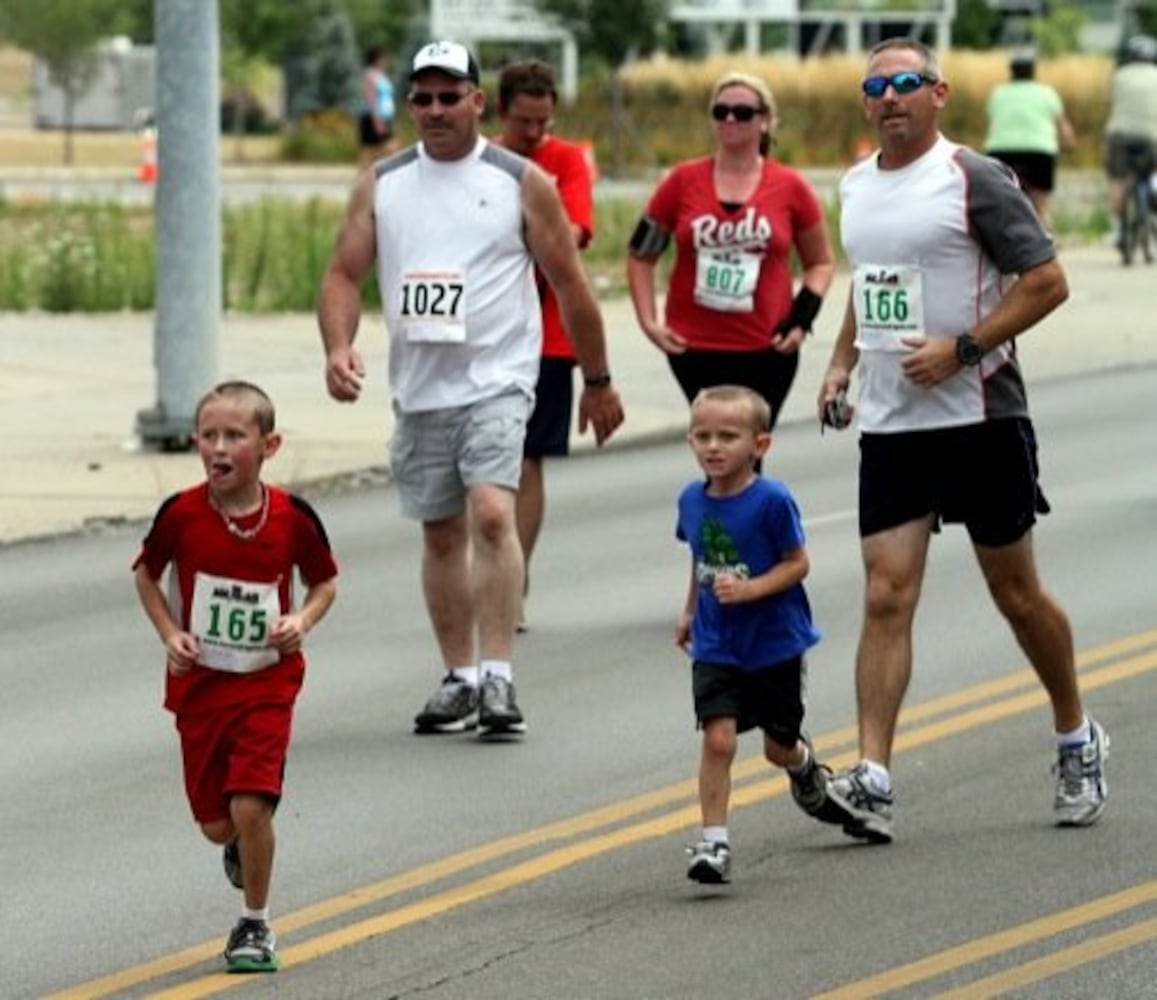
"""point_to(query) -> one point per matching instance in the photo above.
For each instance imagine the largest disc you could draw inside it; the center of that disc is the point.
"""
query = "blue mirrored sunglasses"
(907, 82)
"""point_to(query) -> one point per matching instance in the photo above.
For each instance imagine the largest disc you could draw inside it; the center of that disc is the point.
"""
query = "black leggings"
(767, 372)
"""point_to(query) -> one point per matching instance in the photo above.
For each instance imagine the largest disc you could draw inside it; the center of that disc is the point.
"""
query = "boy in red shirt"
(233, 639)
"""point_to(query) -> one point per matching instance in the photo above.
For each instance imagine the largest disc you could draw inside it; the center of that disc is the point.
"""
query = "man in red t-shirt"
(526, 103)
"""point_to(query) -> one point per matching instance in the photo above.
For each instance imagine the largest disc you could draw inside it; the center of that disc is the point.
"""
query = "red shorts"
(238, 748)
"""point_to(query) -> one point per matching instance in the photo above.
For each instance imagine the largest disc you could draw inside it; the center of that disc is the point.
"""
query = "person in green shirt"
(1027, 129)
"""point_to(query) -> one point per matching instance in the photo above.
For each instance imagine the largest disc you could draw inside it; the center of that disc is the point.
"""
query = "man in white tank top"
(453, 227)
(933, 231)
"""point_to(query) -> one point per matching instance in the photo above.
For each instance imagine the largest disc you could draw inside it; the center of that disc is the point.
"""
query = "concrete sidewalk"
(71, 386)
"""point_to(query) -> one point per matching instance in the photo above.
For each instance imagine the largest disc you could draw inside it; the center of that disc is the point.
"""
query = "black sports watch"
(599, 381)
(968, 350)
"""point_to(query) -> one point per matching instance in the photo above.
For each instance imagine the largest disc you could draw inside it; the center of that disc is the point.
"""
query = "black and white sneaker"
(710, 862)
(252, 947)
(1082, 791)
(809, 791)
(869, 807)
(453, 708)
(498, 712)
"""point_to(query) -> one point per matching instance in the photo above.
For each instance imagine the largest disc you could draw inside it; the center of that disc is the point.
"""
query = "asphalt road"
(443, 868)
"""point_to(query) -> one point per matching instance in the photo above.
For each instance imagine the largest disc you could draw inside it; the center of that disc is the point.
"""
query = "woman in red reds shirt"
(735, 217)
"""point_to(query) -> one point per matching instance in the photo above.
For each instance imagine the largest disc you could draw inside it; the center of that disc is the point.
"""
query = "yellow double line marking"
(677, 806)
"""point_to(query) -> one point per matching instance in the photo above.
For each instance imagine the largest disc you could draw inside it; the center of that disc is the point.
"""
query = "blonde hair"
(247, 394)
(760, 90)
(737, 395)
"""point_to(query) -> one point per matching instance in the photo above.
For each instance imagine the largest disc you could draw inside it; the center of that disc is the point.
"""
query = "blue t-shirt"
(746, 534)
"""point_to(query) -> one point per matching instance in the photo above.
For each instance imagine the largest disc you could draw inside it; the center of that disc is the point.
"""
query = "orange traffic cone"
(147, 171)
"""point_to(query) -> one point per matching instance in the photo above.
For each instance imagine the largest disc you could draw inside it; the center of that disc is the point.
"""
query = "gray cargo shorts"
(437, 455)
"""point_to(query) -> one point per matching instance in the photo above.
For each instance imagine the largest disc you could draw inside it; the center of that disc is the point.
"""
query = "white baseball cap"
(450, 58)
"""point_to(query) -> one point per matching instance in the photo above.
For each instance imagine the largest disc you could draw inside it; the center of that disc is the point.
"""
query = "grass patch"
(100, 256)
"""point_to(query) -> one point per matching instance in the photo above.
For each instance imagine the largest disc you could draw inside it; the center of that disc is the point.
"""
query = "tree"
(976, 25)
(65, 36)
(1059, 31)
(252, 33)
(614, 33)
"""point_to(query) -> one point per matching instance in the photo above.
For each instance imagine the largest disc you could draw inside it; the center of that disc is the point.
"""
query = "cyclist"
(1131, 131)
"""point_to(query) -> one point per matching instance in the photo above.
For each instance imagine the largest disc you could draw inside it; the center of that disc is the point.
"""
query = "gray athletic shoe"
(1081, 787)
(498, 712)
(809, 790)
(710, 863)
(453, 708)
(231, 862)
(869, 809)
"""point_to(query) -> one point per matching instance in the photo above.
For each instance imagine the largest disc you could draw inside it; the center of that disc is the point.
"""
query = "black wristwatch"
(599, 381)
(968, 350)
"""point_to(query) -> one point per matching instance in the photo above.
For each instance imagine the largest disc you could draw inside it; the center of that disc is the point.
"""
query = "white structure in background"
(125, 83)
(474, 21)
(860, 20)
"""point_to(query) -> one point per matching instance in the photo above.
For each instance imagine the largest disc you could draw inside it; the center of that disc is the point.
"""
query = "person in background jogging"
(1027, 129)
(736, 218)
(526, 103)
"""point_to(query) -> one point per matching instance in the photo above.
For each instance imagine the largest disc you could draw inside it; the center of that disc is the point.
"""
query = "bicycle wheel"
(1127, 241)
(1141, 205)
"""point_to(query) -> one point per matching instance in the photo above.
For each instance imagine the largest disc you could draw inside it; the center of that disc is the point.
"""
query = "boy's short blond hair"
(757, 406)
(247, 394)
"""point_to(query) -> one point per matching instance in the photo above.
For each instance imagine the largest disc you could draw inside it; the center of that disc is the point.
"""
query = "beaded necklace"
(245, 534)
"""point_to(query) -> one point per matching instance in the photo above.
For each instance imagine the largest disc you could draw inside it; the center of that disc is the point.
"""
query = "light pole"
(188, 219)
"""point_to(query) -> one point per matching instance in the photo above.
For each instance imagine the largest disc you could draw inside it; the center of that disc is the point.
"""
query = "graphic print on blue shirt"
(746, 535)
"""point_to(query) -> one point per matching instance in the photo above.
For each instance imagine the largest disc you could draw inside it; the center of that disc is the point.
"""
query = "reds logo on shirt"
(751, 232)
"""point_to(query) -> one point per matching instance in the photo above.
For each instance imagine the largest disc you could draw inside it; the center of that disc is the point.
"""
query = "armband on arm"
(649, 238)
(804, 309)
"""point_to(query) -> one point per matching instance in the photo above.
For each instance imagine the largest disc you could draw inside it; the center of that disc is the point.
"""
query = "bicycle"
(1138, 217)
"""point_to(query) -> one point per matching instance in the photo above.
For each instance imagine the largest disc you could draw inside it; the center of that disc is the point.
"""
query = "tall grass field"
(58, 256)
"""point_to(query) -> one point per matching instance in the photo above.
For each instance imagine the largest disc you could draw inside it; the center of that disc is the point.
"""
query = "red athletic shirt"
(191, 535)
(565, 162)
(764, 228)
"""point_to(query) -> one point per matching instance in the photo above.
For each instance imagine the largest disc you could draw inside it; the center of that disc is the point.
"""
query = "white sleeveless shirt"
(456, 277)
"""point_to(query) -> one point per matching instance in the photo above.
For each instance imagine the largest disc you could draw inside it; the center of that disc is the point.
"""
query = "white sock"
(262, 914)
(468, 675)
(798, 769)
(878, 776)
(715, 835)
(1079, 736)
(496, 668)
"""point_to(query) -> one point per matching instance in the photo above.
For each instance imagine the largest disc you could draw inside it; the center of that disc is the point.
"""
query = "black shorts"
(770, 698)
(767, 372)
(368, 132)
(1128, 155)
(548, 432)
(1035, 171)
(984, 475)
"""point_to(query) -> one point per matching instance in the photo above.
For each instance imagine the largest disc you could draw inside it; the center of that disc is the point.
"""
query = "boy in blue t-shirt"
(747, 617)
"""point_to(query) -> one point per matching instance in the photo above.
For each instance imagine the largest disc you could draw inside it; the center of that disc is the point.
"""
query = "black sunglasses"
(447, 98)
(907, 82)
(740, 112)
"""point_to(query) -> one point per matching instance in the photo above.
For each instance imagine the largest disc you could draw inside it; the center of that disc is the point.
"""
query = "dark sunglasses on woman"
(740, 112)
